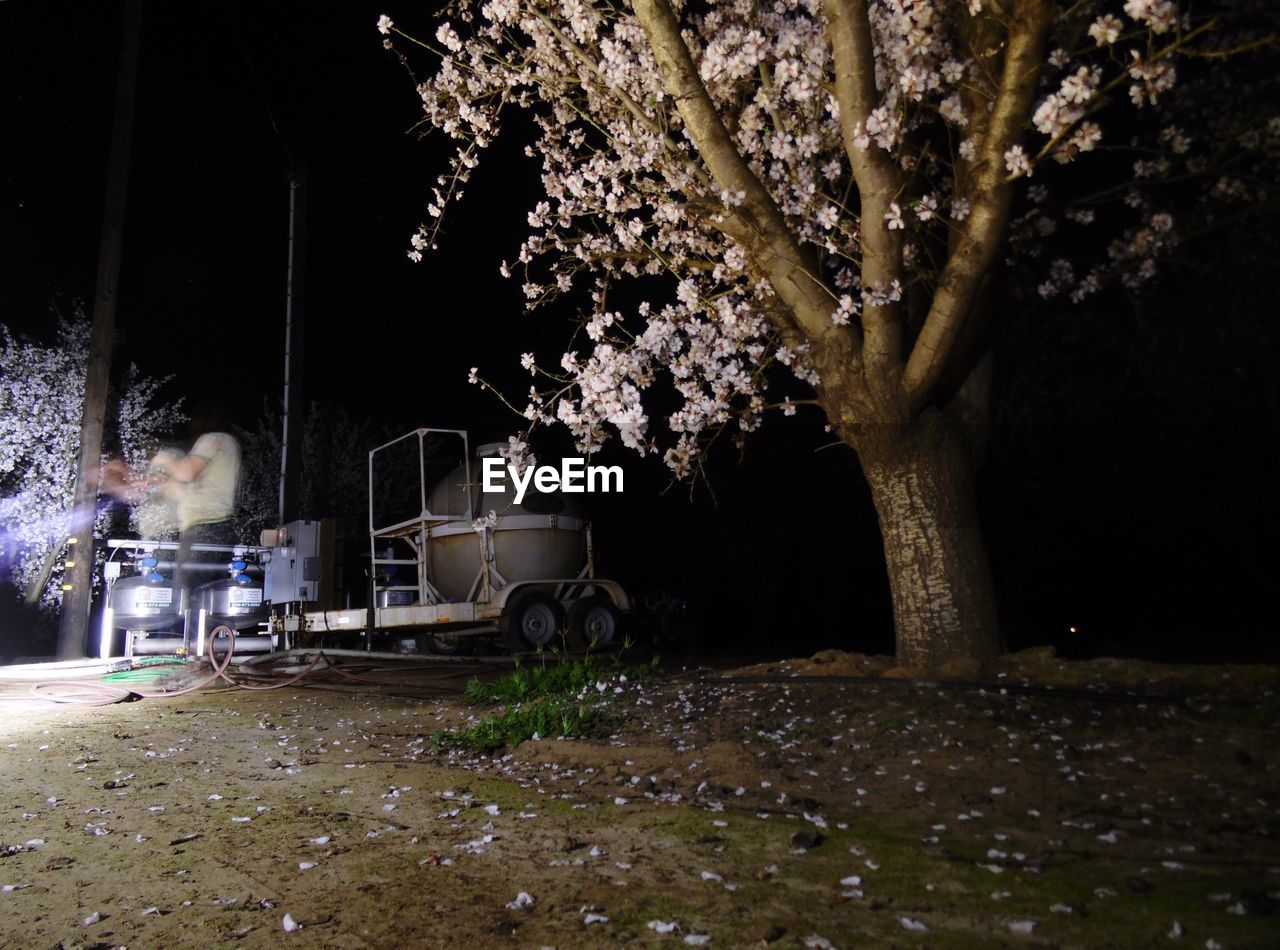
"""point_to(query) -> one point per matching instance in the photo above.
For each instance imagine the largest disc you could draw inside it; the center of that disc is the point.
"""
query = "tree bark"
(923, 484)
(78, 581)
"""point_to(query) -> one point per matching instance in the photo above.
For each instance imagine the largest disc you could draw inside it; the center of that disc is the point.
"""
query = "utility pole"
(294, 321)
(78, 579)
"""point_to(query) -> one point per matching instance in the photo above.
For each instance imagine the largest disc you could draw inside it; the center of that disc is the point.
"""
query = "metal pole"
(73, 628)
(291, 436)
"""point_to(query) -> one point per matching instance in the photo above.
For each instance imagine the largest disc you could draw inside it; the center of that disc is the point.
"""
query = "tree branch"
(756, 223)
(990, 201)
(878, 181)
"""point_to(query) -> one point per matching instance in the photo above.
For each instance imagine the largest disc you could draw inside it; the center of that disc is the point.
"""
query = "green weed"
(550, 717)
(550, 699)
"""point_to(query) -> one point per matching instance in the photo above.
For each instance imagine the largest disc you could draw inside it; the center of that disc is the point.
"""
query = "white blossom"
(1017, 162)
(626, 196)
(41, 401)
(1106, 29)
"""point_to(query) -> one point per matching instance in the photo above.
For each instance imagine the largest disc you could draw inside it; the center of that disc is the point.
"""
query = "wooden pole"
(78, 579)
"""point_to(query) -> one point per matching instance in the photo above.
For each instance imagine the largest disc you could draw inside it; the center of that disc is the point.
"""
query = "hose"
(100, 693)
(151, 668)
(288, 682)
(89, 693)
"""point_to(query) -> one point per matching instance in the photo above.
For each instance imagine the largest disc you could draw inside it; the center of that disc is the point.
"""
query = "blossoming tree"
(41, 399)
(821, 197)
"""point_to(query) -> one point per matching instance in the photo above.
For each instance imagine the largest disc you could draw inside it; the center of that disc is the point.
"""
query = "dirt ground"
(810, 803)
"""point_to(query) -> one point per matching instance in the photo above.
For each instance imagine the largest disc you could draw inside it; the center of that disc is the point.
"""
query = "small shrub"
(555, 700)
(551, 717)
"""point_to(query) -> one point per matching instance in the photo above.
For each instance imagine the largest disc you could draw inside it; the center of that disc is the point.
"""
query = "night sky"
(1125, 489)
(207, 218)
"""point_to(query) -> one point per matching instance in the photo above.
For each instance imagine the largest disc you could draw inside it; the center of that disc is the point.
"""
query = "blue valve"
(155, 577)
(150, 561)
(238, 566)
(243, 578)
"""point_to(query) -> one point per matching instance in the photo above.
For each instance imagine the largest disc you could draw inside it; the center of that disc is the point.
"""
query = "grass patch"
(552, 700)
(546, 717)
(553, 679)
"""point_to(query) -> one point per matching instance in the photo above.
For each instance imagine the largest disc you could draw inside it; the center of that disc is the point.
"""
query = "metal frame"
(144, 545)
(415, 532)
(482, 614)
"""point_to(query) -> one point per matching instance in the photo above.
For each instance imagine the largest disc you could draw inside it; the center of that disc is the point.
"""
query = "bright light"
(104, 634)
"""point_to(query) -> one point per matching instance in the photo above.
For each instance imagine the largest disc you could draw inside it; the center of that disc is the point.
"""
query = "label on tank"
(241, 596)
(155, 597)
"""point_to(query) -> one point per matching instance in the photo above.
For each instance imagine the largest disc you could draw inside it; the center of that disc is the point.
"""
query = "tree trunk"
(77, 594)
(923, 485)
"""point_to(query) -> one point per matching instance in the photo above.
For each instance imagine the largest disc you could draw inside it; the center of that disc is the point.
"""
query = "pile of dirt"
(1038, 667)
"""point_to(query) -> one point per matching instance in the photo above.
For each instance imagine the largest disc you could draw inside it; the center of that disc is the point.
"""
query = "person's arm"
(187, 468)
(174, 472)
(117, 479)
(120, 481)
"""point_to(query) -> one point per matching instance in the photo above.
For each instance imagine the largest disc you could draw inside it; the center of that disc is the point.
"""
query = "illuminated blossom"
(628, 196)
(41, 401)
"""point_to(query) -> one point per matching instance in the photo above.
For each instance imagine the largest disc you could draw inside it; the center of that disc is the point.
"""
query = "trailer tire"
(594, 623)
(533, 621)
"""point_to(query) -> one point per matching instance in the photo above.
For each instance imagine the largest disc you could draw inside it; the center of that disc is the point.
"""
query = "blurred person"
(199, 485)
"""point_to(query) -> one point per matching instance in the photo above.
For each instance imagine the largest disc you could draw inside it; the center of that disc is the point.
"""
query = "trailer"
(451, 563)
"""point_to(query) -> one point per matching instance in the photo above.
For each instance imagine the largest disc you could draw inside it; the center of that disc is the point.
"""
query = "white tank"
(142, 602)
(543, 537)
(227, 601)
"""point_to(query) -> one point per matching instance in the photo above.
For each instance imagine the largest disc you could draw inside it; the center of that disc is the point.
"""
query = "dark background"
(1127, 489)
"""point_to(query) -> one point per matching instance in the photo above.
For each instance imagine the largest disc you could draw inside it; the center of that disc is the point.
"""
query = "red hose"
(88, 693)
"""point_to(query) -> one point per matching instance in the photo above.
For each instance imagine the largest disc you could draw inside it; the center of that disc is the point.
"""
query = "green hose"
(152, 668)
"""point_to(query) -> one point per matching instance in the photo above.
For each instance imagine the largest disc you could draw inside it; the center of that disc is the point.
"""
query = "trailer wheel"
(534, 620)
(593, 622)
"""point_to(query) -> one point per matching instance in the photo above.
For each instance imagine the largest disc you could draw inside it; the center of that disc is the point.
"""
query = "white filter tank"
(544, 537)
